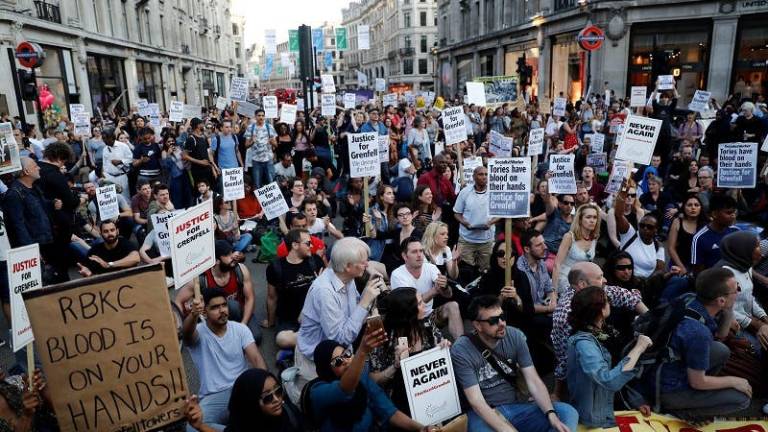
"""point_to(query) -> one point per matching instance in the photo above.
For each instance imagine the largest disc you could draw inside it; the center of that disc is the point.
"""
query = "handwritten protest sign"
(221, 103)
(454, 125)
(563, 179)
(82, 123)
(349, 100)
(700, 101)
(160, 226)
(666, 82)
(143, 106)
(10, 160)
(238, 88)
(476, 93)
(598, 161)
(737, 165)
(106, 198)
(328, 106)
(638, 139)
(468, 169)
(246, 109)
(619, 172)
(270, 106)
(272, 200)
(75, 109)
(536, 142)
(431, 386)
(364, 154)
(288, 114)
(233, 184)
(596, 142)
(500, 145)
(558, 110)
(634, 421)
(176, 112)
(327, 84)
(509, 187)
(109, 349)
(192, 111)
(24, 274)
(192, 239)
(390, 99)
(383, 148)
(380, 85)
(637, 97)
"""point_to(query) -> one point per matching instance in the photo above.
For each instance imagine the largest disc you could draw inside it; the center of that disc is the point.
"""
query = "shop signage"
(30, 54)
(591, 38)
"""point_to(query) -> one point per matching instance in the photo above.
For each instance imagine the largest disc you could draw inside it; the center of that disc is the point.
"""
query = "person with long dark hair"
(683, 228)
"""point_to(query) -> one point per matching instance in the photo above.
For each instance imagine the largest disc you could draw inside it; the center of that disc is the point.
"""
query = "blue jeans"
(245, 240)
(527, 417)
(181, 191)
(215, 410)
(263, 173)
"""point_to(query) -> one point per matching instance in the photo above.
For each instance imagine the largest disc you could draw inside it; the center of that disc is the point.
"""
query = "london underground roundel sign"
(30, 54)
(591, 38)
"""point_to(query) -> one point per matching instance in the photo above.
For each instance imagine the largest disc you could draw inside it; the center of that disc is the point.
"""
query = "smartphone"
(402, 342)
(373, 323)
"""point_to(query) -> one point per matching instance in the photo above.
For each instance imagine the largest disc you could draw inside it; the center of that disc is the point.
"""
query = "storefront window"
(209, 88)
(531, 59)
(749, 71)
(150, 82)
(679, 50)
(463, 71)
(106, 80)
(52, 88)
(569, 63)
(220, 84)
(486, 65)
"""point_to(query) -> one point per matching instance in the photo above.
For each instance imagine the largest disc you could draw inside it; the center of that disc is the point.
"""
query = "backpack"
(238, 275)
(659, 324)
(305, 404)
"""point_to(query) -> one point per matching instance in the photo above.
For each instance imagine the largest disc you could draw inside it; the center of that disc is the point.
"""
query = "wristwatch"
(110, 264)
(548, 412)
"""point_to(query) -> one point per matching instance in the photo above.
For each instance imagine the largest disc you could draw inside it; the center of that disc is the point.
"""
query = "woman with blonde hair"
(578, 244)
(436, 250)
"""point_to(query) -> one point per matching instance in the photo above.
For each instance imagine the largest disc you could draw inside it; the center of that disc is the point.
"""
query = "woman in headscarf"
(345, 398)
(740, 251)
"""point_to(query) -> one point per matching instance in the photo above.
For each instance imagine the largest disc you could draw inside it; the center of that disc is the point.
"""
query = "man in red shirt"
(299, 221)
(440, 185)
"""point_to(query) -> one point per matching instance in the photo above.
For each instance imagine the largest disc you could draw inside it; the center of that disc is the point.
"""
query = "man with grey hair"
(333, 308)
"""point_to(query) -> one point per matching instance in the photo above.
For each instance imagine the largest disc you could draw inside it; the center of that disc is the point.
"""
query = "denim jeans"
(263, 173)
(245, 240)
(215, 410)
(527, 417)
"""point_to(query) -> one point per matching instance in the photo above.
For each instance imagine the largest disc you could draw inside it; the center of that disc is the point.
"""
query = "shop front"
(464, 72)
(106, 80)
(531, 53)
(56, 85)
(750, 68)
(209, 88)
(569, 67)
(150, 82)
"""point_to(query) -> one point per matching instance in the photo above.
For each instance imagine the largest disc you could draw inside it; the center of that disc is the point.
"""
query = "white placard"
(349, 101)
(160, 227)
(596, 142)
(476, 93)
(9, 149)
(233, 184)
(300, 104)
(383, 148)
(192, 111)
(221, 103)
(270, 106)
(431, 386)
(106, 198)
(608, 96)
(75, 109)
(638, 95)
(638, 139)
(454, 125)
(272, 201)
(327, 84)
(619, 172)
(270, 41)
(499, 145)
(364, 154)
(380, 85)
(764, 146)
(558, 110)
(439, 147)
(238, 88)
(24, 274)
(700, 101)
(285, 59)
(288, 114)
(154, 115)
(536, 142)
(328, 104)
(143, 106)
(82, 123)
(509, 187)
(598, 161)
(246, 109)
(390, 99)
(192, 242)
(737, 165)
(563, 178)
(363, 37)
(176, 113)
(666, 82)
(468, 169)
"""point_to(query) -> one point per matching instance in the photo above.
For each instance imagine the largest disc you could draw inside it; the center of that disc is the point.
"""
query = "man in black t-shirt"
(288, 280)
(196, 152)
(115, 253)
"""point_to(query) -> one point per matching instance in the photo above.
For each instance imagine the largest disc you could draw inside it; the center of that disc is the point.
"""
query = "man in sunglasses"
(486, 365)
(559, 209)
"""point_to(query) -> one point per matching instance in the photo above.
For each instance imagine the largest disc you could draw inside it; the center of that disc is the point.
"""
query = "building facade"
(402, 36)
(720, 46)
(105, 53)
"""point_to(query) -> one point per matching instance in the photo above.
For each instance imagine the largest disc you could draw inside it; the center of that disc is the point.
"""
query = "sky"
(282, 15)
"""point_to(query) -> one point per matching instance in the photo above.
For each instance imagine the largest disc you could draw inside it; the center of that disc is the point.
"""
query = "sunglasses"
(494, 320)
(339, 360)
(624, 267)
(403, 214)
(276, 394)
(634, 195)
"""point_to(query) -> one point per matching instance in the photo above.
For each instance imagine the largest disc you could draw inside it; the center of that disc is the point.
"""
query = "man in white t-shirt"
(426, 278)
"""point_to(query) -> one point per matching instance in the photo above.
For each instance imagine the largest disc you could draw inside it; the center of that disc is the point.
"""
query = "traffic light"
(521, 66)
(528, 75)
(27, 85)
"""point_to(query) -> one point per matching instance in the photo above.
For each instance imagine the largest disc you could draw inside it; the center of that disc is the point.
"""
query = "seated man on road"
(114, 253)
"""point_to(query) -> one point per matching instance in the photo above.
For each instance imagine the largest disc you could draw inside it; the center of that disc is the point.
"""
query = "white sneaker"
(765, 409)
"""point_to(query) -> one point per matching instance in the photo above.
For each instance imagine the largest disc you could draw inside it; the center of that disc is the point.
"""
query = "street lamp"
(433, 51)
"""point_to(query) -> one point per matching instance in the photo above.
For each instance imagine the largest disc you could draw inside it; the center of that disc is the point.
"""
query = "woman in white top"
(578, 244)
(117, 158)
(419, 138)
(436, 250)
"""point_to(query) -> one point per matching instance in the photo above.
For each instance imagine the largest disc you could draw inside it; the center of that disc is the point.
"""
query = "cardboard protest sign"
(431, 387)
(288, 114)
(109, 349)
(327, 84)
(390, 99)
(272, 200)
(328, 104)
(737, 165)
(383, 148)
(82, 123)
(160, 227)
(509, 187)
(363, 154)
(563, 178)
(637, 97)
(380, 85)
(143, 106)
(454, 125)
(221, 103)
(349, 101)
(10, 160)
(75, 109)
(558, 110)
(536, 142)
(24, 274)
(176, 112)
(106, 198)
(468, 169)
(232, 183)
(270, 106)
(363, 37)
(596, 142)
(700, 101)
(192, 111)
(666, 82)
(238, 88)
(635, 421)
(598, 161)
(476, 93)
(192, 239)
(246, 109)
(638, 139)
(620, 171)
(500, 145)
